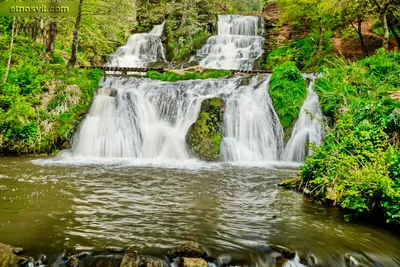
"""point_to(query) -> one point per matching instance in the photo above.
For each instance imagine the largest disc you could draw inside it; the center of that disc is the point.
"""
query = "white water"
(308, 128)
(149, 120)
(236, 46)
(140, 50)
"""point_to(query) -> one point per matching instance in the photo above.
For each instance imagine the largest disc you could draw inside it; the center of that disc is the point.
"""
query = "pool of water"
(46, 206)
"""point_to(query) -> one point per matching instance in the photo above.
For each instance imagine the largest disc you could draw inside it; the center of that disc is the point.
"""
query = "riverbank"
(357, 167)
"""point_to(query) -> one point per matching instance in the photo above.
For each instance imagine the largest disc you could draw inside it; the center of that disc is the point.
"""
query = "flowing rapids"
(308, 128)
(236, 46)
(140, 50)
(143, 118)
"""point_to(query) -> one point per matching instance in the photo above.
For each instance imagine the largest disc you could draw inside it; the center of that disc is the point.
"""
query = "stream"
(229, 208)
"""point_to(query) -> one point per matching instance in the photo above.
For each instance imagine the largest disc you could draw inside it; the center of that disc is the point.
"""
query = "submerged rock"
(290, 183)
(286, 253)
(190, 250)
(9, 257)
(193, 262)
(205, 135)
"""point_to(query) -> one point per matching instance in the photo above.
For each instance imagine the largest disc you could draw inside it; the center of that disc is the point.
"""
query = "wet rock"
(130, 259)
(103, 261)
(8, 257)
(42, 260)
(72, 262)
(355, 261)
(108, 91)
(193, 262)
(281, 262)
(205, 135)
(290, 183)
(312, 261)
(286, 253)
(151, 262)
(189, 250)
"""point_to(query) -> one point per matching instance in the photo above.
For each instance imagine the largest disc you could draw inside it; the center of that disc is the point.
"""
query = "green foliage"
(304, 52)
(42, 102)
(173, 77)
(288, 91)
(357, 167)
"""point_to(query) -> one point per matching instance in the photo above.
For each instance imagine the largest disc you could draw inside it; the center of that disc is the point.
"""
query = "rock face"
(193, 262)
(9, 257)
(189, 250)
(205, 135)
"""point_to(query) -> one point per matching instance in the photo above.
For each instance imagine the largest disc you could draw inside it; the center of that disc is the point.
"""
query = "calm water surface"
(48, 207)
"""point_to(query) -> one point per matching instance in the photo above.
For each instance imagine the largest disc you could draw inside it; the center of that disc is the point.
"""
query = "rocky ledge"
(190, 254)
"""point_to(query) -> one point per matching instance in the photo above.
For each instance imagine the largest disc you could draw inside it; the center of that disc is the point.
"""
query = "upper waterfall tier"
(237, 45)
(308, 128)
(140, 50)
(144, 118)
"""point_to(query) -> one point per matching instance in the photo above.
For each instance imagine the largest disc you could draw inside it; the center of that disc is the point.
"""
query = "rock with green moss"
(9, 257)
(205, 135)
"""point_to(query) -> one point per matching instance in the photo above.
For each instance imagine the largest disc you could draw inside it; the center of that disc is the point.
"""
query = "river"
(232, 209)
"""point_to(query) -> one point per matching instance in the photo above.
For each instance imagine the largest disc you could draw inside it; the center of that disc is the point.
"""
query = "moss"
(205, 135)
(195, 75)
(288, 91)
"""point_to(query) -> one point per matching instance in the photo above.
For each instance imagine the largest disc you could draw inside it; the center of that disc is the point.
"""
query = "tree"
(354, 13)
(11, 49)
(97, 27)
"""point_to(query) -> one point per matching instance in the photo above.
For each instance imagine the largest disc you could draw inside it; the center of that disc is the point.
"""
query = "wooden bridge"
(125, 70)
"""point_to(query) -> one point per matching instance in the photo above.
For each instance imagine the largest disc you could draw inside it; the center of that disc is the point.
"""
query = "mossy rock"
(205, 135)
(9, 257)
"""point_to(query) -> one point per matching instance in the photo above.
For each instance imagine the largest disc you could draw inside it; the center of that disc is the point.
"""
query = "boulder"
(205, 135)
(9, 257)
(130, 259)
(193, 262)
(190, 250)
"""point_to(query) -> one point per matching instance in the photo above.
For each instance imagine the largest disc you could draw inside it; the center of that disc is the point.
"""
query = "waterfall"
(308, 129)
(236, 46)
(252, 128)
(140, 50)
(143, 118)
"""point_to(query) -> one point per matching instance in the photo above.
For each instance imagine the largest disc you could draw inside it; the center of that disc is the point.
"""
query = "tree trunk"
(360, 35)
(75, 41)
(52, 38)
(44, 32)
(34, 28)
(396, 35)
(11, 48)
(385, 43)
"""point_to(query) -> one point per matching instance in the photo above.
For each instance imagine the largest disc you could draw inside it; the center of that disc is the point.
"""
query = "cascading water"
(252, 128)
(236, 46)
(149, 119)
(140, 50)
(308, 128)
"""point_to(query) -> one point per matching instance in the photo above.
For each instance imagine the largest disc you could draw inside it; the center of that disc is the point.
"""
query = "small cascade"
(140, 50)
(143, 118)
(237, 45)
(252, 128)
(308, 128)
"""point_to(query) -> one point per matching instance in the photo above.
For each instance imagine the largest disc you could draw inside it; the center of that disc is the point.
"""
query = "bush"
(358, 165)
(288, 91)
